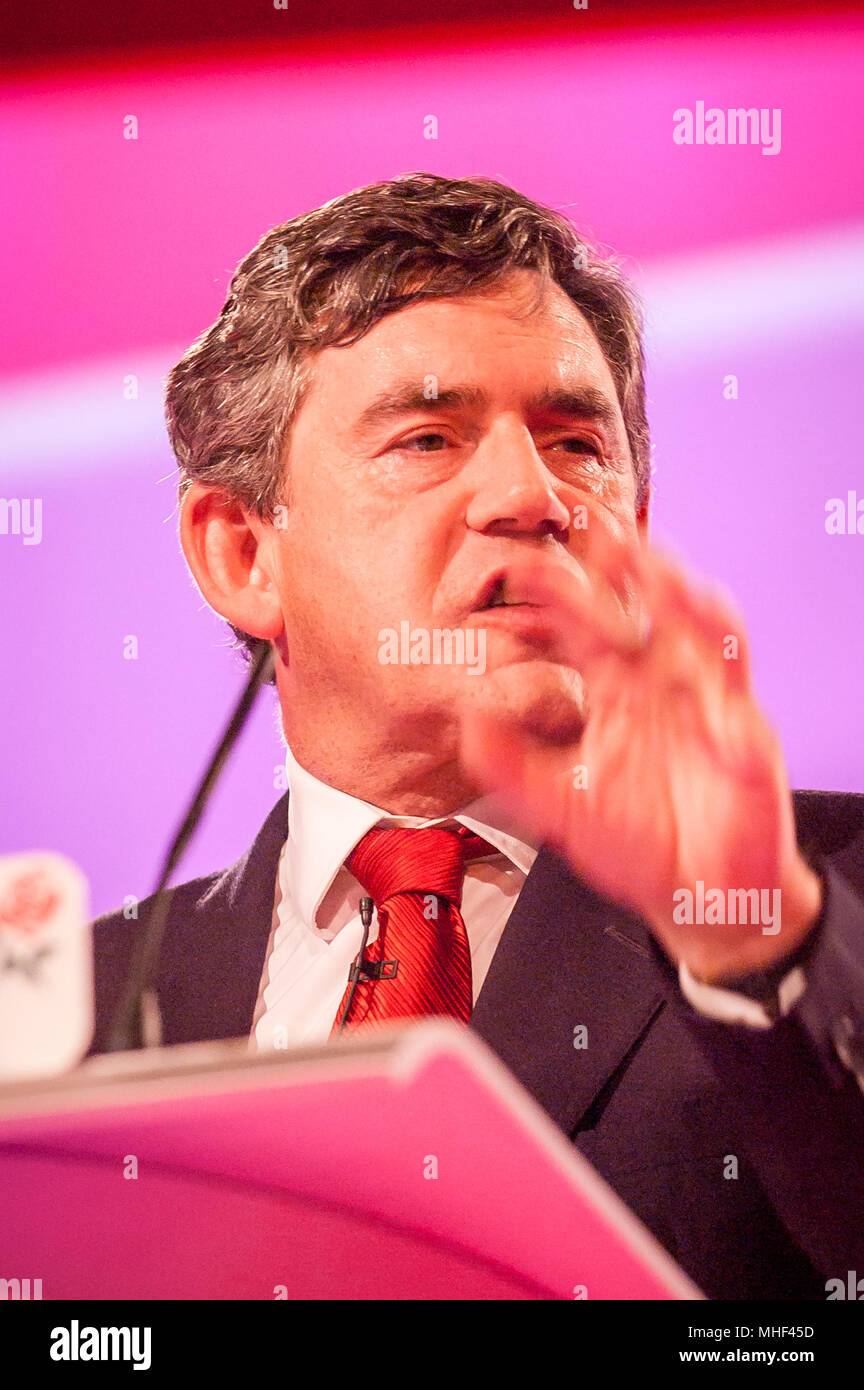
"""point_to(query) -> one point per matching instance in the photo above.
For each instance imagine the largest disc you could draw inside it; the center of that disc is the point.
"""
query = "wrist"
(769, 956)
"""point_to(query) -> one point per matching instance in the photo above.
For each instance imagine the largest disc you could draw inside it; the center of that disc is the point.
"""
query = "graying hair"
(325, 278)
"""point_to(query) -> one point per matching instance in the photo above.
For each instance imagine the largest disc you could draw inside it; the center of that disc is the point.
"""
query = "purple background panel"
(120, 254)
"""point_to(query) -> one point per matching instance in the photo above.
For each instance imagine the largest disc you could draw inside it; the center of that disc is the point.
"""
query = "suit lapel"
(570, 957)
(568, 960)
(215, 954)
(252, 895)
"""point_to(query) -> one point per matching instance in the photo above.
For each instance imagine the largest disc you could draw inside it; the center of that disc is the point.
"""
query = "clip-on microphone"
(366, 970)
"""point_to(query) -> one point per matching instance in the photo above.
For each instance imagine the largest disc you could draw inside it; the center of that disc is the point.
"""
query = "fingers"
(622, 600)
(679, 611)
(620, 560)
(586, 622)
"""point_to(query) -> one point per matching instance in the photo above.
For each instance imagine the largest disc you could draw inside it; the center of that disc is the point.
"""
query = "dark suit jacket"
(661, 1098)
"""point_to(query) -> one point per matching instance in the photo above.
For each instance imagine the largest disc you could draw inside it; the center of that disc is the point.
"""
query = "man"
(414, 460)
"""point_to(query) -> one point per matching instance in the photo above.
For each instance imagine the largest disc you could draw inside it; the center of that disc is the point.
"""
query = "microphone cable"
(135, 1022)
(367, 907)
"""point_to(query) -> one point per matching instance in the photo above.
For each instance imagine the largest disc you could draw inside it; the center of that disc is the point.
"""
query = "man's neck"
(403, 784)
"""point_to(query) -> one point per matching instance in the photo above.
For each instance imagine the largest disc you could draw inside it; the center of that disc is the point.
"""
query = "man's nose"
(515, 491)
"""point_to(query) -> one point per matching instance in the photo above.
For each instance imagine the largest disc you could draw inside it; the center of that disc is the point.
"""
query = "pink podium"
(411, 1166)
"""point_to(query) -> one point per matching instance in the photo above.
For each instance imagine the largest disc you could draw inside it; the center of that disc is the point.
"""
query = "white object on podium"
(46, 966)
(408, 1165)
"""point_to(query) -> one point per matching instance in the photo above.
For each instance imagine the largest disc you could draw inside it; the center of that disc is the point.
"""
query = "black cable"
(367, 907)
(127, 1025)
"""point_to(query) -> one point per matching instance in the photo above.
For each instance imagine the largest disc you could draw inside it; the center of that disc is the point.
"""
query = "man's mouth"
(500, 592)
(502, 604)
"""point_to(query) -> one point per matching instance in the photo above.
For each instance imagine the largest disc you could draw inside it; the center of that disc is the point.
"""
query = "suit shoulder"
(828, 822)
(116, 933)
(189, 897)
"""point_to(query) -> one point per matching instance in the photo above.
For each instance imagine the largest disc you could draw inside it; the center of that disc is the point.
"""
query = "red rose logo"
(28, 903)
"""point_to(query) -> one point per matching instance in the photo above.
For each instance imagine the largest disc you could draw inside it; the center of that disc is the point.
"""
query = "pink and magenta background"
(117, 253)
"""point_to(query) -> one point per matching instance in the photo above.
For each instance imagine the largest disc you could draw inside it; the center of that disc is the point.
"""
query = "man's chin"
(548, 699)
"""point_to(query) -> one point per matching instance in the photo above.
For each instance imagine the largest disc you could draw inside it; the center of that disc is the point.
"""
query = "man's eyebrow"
(410, 397)
(579, 402)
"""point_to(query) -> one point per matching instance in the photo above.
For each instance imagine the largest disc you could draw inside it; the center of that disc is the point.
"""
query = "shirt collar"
(325, 824)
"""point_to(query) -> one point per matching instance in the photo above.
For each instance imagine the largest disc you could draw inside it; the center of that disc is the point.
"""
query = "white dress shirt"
(317, 932)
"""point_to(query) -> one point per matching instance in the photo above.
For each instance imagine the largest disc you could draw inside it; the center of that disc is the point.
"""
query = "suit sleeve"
(831, 1009)
(796, 1090)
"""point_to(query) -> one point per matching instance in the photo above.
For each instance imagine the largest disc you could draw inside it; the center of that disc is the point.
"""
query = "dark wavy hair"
(325, 278)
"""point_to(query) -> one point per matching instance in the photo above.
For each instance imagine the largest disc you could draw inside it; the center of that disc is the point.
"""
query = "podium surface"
(411, 1165)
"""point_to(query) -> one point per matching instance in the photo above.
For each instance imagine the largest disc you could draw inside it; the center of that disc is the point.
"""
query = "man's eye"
(575, 445)
(426, 443)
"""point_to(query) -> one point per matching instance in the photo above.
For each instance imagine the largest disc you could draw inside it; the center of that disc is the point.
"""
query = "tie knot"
(427, 859)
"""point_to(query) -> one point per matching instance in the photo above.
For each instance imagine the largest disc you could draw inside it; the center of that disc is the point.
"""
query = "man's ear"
(227, 550)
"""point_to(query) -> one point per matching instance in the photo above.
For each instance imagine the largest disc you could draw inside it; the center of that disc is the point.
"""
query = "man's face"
(456, 437)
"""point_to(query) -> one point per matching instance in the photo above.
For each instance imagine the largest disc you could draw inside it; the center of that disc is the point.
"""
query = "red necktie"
(414, 877)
